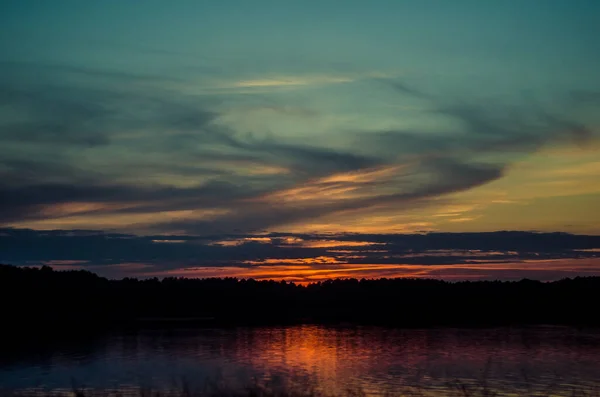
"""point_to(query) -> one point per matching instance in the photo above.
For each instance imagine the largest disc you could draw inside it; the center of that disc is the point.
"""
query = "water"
(332, 360)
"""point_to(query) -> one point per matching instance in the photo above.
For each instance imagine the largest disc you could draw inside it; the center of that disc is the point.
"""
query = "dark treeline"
(43, 297)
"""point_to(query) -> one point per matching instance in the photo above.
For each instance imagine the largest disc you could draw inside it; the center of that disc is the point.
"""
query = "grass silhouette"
(215, 388)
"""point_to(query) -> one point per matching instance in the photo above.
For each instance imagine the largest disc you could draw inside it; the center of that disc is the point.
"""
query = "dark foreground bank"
(33, 297)
(453, 389)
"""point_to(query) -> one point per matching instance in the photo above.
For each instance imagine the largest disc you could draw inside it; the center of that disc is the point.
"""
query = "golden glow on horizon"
(303, 273)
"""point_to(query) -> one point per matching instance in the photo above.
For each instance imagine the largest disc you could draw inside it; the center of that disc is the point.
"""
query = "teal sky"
(217, 117)
(507, 45)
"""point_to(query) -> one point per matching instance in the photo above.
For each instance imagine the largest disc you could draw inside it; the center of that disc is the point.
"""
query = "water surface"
(332, 360)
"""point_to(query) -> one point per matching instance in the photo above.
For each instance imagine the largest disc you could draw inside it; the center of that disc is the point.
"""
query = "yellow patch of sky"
(361, 224)
(553, 189)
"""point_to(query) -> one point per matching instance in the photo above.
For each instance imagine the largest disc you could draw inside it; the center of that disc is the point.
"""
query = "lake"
(316, 359)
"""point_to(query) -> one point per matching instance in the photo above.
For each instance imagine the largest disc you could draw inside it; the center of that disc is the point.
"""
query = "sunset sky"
(301, 139)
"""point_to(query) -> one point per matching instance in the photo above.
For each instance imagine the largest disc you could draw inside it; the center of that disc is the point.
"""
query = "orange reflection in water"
(317, 358)
(374, 361)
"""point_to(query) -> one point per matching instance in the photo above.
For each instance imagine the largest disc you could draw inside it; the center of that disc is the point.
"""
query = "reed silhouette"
(453, 388)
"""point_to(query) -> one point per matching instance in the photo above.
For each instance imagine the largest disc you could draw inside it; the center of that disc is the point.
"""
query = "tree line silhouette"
(42, 297)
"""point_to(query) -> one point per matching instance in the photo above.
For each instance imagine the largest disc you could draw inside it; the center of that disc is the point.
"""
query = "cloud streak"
(108, 146)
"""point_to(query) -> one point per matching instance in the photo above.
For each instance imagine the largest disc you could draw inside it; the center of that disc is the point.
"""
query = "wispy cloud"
(283, 81)
(156, 159)
(291, 81)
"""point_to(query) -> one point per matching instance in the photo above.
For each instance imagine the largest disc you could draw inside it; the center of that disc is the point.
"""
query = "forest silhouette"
(34, 297)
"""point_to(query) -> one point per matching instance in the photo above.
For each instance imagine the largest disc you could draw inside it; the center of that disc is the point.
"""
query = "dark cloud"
(25, 71)
(28, 202)
(584, 97)
(318, 161)
(405, 89)
(51, 115)
(50, 106)
(98, 249)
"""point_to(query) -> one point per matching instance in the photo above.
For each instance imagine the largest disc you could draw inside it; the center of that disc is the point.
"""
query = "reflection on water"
(333, 360)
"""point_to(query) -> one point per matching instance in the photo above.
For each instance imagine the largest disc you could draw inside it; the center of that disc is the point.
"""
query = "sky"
(286, 139)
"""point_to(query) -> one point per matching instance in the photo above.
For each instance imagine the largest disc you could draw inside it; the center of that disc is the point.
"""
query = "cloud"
(286, 81)
(301, 80)
(178, 127)
(584, 97)
(304, 257)
(51, 116)
(51, 106)
(88, 145)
